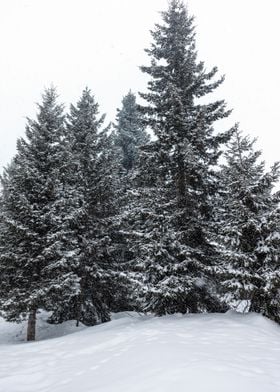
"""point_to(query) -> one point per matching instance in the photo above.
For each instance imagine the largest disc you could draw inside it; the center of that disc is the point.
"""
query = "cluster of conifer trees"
(99, 219)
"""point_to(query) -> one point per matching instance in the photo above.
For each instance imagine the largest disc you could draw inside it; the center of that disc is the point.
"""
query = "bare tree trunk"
(31, 325)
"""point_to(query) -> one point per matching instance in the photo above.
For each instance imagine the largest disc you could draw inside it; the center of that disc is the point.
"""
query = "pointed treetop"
(49, 105)
(84, 115)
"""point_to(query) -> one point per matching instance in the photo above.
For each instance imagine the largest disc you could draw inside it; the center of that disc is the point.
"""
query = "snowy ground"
(195, 353)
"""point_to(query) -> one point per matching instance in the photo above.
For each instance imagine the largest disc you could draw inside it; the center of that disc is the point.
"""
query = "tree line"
(98, 219)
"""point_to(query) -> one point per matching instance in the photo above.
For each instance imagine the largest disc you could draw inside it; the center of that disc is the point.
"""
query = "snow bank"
(194, 353)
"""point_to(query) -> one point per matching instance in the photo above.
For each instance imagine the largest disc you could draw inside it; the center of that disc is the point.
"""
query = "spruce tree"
(172, 209)
(129, 135)
(269, 247)
(92, 184)
(33, 220)
(248, 222)
(129, 131)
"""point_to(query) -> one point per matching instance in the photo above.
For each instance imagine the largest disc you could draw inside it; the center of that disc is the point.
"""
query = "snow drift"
(195, 353)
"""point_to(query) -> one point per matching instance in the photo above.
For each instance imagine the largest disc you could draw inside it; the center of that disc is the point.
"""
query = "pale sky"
(100, 44)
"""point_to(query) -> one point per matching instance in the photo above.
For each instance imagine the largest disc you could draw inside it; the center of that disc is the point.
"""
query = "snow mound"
(195, 353)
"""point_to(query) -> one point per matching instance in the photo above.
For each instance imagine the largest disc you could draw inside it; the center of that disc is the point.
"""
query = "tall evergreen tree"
(130, 131)
(177, 181)
(93, 189)
(129, 135)
(33, 229)
(248, 222)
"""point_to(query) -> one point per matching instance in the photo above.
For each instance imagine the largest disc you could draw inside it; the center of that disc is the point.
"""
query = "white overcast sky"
(99, 43)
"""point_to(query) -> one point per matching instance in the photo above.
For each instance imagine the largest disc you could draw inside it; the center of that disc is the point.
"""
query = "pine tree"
(248, 222)
(92, 184)
(129, 131)
(171, 212)
(269, 247)
(33, 219)
(129, 135)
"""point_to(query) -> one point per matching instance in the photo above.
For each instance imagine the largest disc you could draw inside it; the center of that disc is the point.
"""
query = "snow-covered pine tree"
(129, 131)
(171, 212)
(92, 185)
(129, 135)
(33, 220)
(248, 222)
(270, 248)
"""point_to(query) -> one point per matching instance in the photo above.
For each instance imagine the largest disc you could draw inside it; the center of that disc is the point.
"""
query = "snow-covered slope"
(194, 353)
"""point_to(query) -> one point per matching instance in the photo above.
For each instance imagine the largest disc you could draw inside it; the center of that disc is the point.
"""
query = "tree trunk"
(31, 326)
(77, 322)
(78, 312)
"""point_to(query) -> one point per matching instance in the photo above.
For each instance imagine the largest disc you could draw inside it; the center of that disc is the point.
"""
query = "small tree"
(270, 248)
(248, 221)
